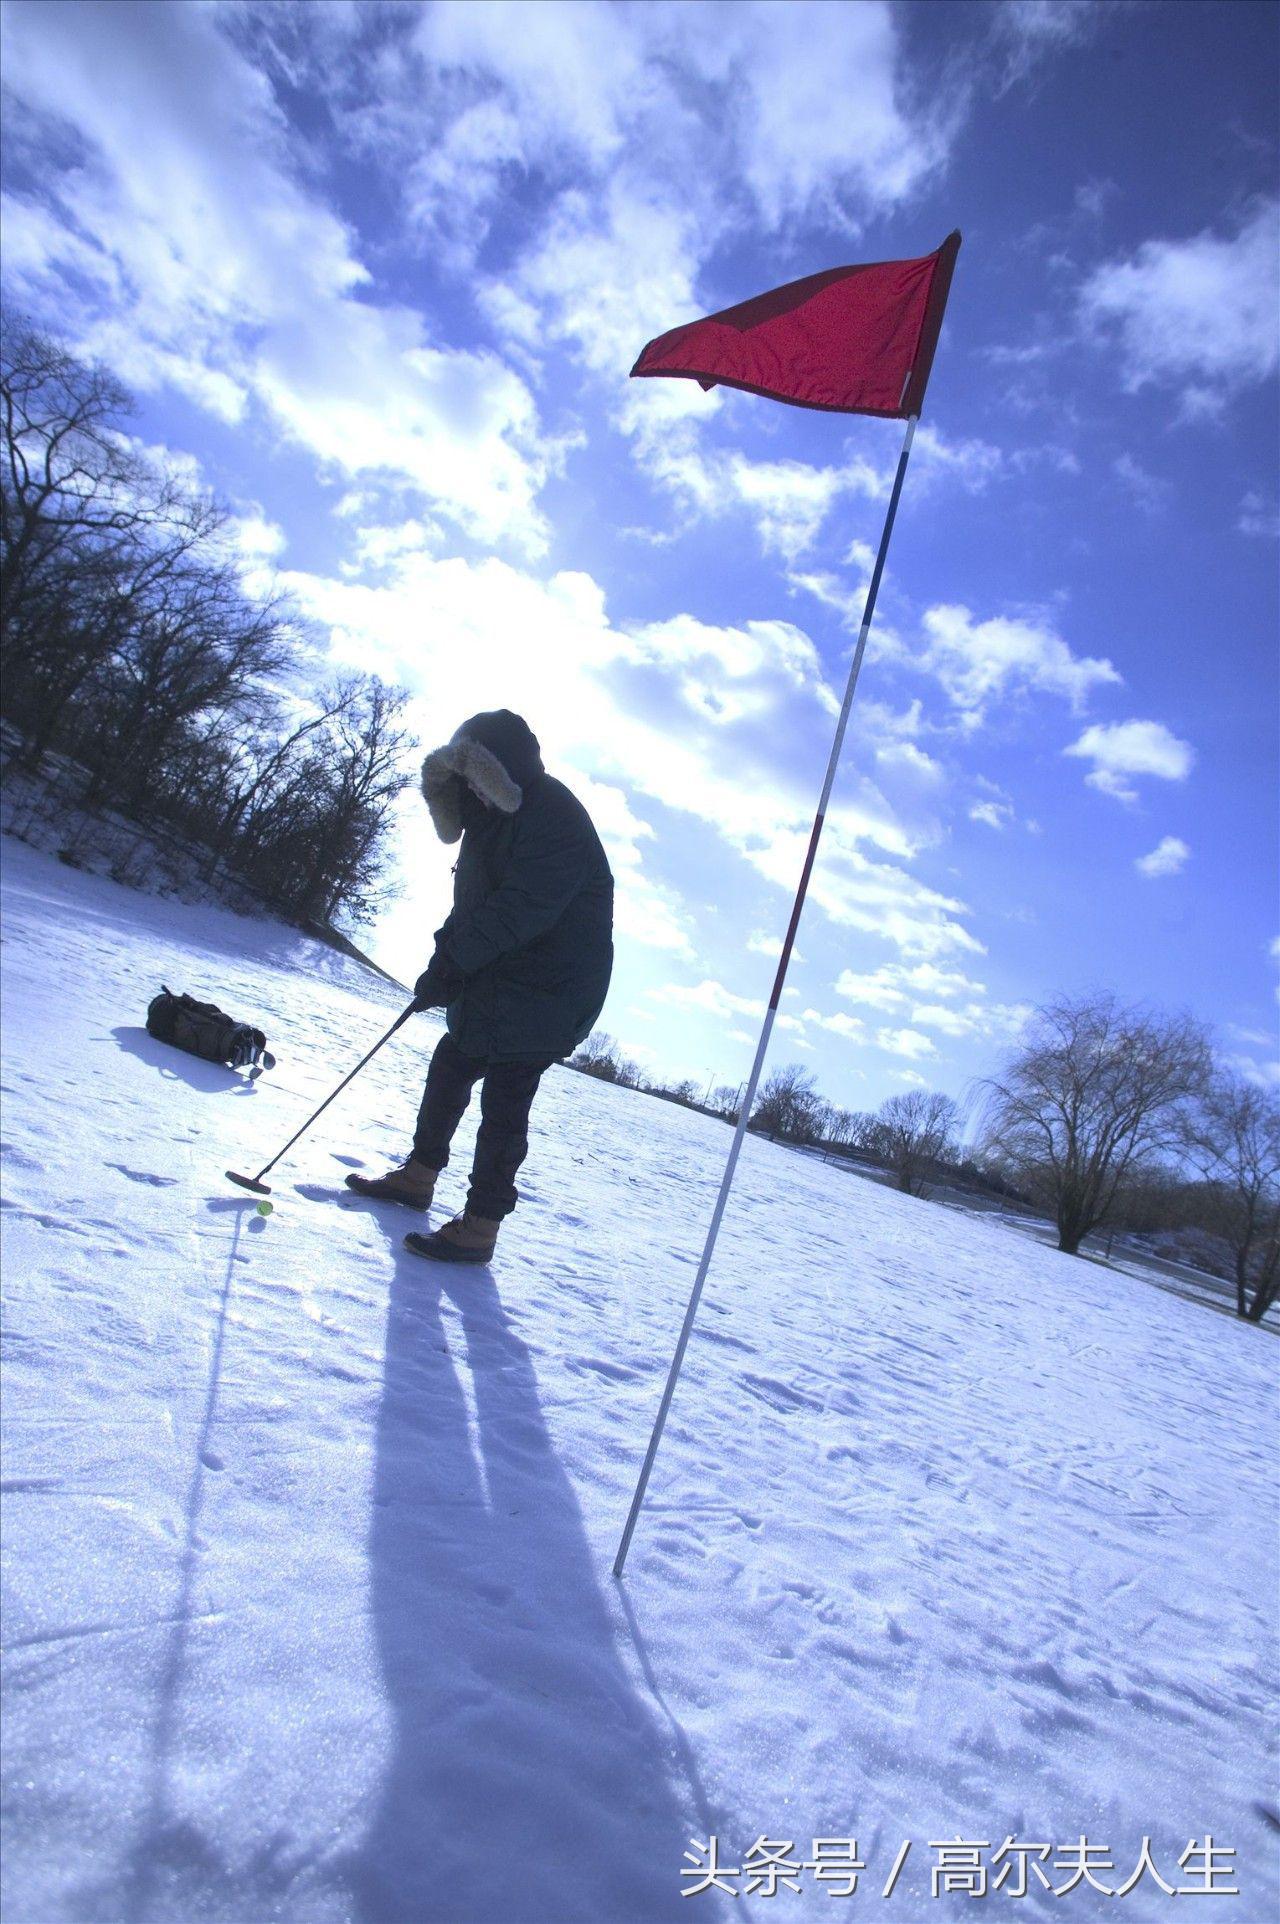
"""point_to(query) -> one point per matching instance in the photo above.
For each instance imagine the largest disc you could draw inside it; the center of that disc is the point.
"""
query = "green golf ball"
(264, 1208)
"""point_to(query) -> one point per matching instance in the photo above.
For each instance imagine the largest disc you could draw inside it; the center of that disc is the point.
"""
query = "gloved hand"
(438, 984)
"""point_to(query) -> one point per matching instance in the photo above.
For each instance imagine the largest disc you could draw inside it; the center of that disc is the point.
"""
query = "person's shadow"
(528, 1782)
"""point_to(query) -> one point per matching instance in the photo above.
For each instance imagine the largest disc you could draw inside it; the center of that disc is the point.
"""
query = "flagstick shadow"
(529, 1782)
(165, 1843)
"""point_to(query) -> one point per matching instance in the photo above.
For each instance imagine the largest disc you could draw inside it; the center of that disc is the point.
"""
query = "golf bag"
(203, 1029)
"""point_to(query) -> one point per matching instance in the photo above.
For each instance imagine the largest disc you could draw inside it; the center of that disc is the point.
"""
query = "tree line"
(132, 649)
(1106, 1117)
(1112, 1116)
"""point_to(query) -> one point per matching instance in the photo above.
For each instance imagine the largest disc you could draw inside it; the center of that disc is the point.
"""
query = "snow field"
(309, 1614)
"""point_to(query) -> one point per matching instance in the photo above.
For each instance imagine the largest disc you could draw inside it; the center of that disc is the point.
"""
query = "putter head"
(249, 1182)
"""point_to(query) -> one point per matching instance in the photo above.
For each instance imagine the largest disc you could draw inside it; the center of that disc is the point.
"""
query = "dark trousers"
(507, 1090)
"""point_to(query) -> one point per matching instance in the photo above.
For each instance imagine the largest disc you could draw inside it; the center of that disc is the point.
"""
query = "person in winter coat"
(521, 967)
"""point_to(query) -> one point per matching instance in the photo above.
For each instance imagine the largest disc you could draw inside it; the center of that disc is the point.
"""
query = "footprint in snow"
(779, 1396)
(613, 1372)
(350, 1162)
(143, 1175)
(726, 1341)
(212, 1461)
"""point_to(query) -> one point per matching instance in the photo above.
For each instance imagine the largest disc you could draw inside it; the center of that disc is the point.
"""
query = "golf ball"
(264, 1208)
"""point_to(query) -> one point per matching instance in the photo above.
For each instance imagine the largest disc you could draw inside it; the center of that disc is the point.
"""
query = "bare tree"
(87, 527)
(193, 645)
(842, 1125)
(860, 1130)
(786, 1104)
(312, 838)
(132, 646)
(599, 1056)
(1094, 1092)
(915, 1131)
(724, 1100)
(232, 770)
(1232, 1136)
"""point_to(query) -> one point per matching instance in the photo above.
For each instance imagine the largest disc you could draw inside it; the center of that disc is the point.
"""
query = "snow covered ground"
(309, 1614)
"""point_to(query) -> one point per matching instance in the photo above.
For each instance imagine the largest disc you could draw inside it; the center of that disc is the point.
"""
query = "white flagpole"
(744, 1113)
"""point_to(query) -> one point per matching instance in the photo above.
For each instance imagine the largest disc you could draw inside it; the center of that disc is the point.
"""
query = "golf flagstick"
(744, 1112)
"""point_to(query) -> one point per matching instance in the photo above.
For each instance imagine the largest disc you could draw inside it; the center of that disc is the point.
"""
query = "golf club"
(255, 1183)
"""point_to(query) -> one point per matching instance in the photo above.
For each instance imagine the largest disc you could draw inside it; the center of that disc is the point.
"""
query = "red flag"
(859, 340)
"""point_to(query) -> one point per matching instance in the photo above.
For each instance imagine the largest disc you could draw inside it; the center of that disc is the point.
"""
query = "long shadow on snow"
(168, 1850)
(528, 1782)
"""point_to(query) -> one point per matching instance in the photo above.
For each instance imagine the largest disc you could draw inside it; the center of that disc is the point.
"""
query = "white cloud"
(979, 663)
(902, 766)
(643, 142)
(749, 100)
(971, 463)
(976, 1018)
(716, 723)
(195, 258)
(997, 815)
(1265, 1075)
(1027, 32)
(255, 537)
(1167, 858)
(947, 1021)
(893, 985)
(780, 71)
(760, 942)
(609, 269)
(1259, 517)
(1119, 750)
(881, 989)
(789, 500)
(569, 71)
(1197, 314)
(910, 1043)
(858, 892)
(850, 1027)
(710, 998)
(1150, 491)
(1255, 1038)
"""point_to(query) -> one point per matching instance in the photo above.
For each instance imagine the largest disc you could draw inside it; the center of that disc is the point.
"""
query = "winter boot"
(467, 1239)
(412, 1184)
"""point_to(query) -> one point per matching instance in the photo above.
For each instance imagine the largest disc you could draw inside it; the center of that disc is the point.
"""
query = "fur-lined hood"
(495, 754)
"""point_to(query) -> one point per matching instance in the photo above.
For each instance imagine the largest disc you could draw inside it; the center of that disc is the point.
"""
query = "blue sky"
(378, 274)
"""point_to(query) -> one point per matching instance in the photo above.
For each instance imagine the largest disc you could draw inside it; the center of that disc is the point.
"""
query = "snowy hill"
(309, 1613)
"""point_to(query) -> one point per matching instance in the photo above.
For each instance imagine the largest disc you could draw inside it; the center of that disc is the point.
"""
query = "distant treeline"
(1108, 1118)
(132, 649)
(912, 1136)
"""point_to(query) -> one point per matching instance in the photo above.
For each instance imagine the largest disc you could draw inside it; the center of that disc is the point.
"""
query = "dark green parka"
(532, 922)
